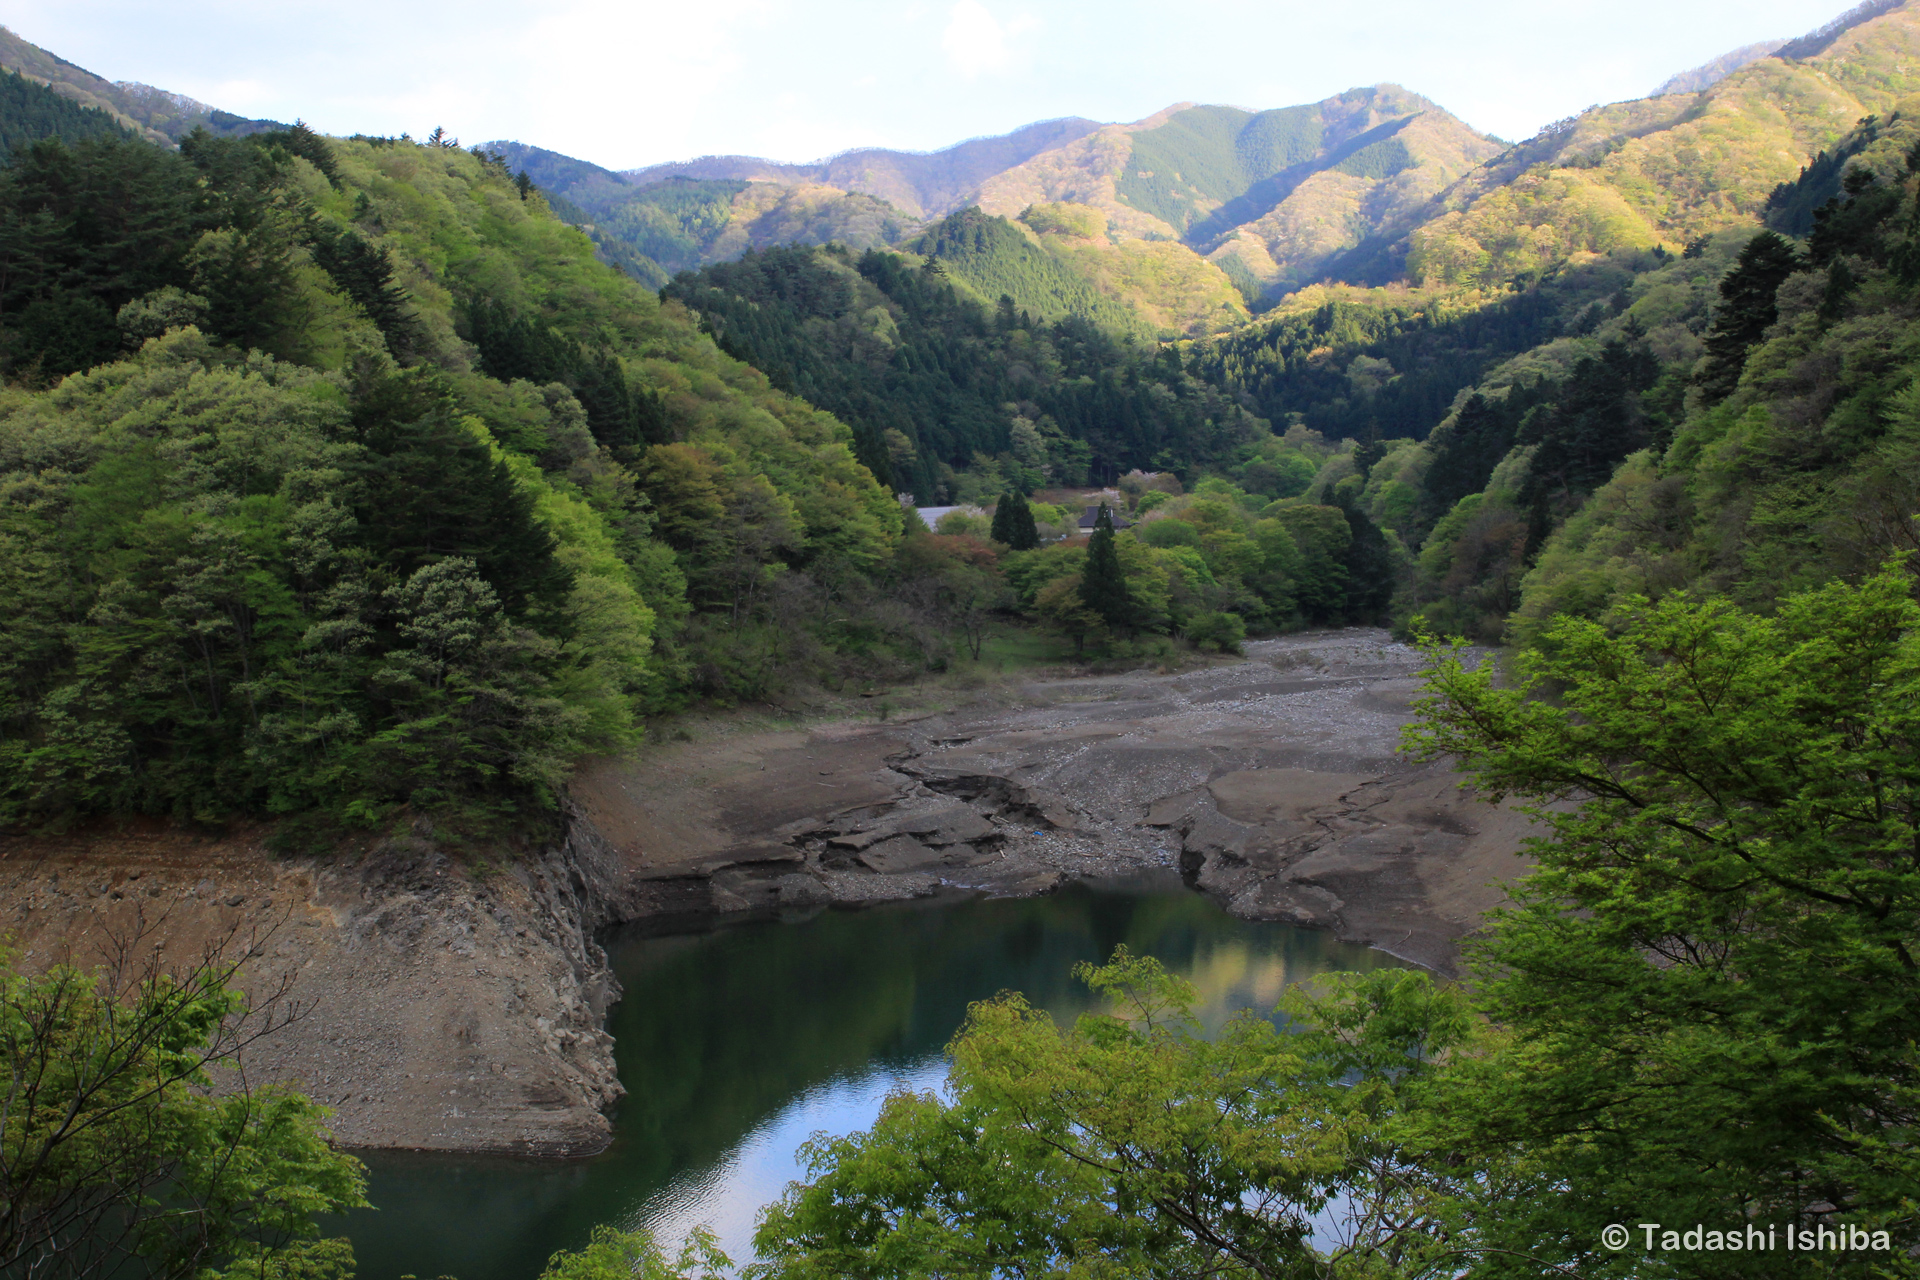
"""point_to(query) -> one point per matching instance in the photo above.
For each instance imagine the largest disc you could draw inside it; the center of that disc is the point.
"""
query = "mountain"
(1653, 171)
(920, 184)
(155, 114)
(1165, 219)
(1709, 73)
(1269, 197)
(657, 227)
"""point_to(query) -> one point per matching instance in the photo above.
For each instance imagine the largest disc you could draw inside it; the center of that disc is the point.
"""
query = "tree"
(1103, 583)
(115, 1149)
(614, 1254)
(1133, 1145)
(1709, 986)
(1061, 607)
(1013, 523)
(1746, 310)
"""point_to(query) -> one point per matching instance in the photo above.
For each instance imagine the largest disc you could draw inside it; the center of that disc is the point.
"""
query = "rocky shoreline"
(455, 1010)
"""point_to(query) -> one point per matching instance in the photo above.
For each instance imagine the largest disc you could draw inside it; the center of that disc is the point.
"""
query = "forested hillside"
(30, 111)
(1729, 419)
(1654, 171)
(366, 485)
(965, 397)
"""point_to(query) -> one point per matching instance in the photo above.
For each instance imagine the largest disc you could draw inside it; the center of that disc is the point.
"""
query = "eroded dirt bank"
(440, 1011)
(451, 1011)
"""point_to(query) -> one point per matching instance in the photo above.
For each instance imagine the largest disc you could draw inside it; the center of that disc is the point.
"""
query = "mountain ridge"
(157, 115)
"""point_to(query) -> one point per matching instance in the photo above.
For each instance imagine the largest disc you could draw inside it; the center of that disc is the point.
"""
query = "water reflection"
(738, 1042)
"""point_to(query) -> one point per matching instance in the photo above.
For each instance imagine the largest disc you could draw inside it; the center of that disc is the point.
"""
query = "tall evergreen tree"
(1002, 530)
(1013, 522)
(1103, 584)
(1747, 310)
(1022, 533)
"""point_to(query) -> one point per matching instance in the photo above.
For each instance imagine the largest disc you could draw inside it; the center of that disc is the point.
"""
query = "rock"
(899, 853)
(945, 826)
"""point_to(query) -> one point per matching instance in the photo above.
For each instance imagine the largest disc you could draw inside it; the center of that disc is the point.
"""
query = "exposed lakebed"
(736, 1041)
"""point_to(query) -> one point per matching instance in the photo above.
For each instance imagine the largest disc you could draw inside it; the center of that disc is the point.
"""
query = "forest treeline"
(341, 481)
(338, 476)
(952, 399)
(1730, 419)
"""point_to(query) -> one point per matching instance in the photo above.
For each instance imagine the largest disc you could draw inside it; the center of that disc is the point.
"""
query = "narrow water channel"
(738, 1041)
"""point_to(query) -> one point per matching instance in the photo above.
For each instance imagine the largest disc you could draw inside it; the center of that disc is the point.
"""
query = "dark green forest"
(30, 111)
(936, 385)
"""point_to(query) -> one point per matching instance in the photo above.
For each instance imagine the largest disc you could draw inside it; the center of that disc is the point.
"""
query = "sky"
(632, 83)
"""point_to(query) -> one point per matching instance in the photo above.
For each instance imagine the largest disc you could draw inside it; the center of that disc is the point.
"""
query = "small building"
(1093, 514)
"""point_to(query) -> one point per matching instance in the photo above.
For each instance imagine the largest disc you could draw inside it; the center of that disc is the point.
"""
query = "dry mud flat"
(453, 1011)
(1273, 784)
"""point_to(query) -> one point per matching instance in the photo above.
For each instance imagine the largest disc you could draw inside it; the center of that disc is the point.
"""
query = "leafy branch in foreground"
(119, 1145)
(1133, 1145)
(1710, 980)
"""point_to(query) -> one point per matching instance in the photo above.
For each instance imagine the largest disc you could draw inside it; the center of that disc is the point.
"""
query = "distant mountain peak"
(1712, 73)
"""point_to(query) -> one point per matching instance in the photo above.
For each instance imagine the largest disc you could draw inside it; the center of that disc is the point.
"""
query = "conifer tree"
(1013, 522)
(1103, 584)
(1022, 534)
(1746, 312)
(1002, 530)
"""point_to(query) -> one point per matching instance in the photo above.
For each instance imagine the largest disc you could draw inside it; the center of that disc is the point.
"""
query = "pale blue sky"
(635, 82)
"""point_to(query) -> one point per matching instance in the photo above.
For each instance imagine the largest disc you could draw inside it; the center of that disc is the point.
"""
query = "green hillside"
(153, 113)
(963, 398)
(1266, 197)
(990, 257)
(366, 486)
(1726, 420)
(1655, 171)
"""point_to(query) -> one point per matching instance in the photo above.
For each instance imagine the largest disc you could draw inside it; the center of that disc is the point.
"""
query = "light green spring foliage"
(212, 559)
(1132, 1145)
(114, 1147)
(635, 1255)
(1709, 983)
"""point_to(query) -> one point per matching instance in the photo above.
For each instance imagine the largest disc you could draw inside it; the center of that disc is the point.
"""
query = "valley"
(1397, 750)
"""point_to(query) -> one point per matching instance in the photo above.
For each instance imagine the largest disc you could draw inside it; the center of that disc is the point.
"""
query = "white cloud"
(977, 43)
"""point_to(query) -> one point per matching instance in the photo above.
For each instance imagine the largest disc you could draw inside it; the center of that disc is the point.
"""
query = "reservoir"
(737, 1041)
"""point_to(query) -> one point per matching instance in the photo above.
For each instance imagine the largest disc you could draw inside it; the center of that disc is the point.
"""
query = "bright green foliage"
(1214, 630)
(231, 590)
(344, 571)
(113, 1152)
(1709, 983)
(1132, 1145)
(634, 1255)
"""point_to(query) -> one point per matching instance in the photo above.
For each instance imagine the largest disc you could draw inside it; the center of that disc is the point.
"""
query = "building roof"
(1093, 514)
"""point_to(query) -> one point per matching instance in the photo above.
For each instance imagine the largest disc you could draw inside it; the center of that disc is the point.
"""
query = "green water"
(737, 1042)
